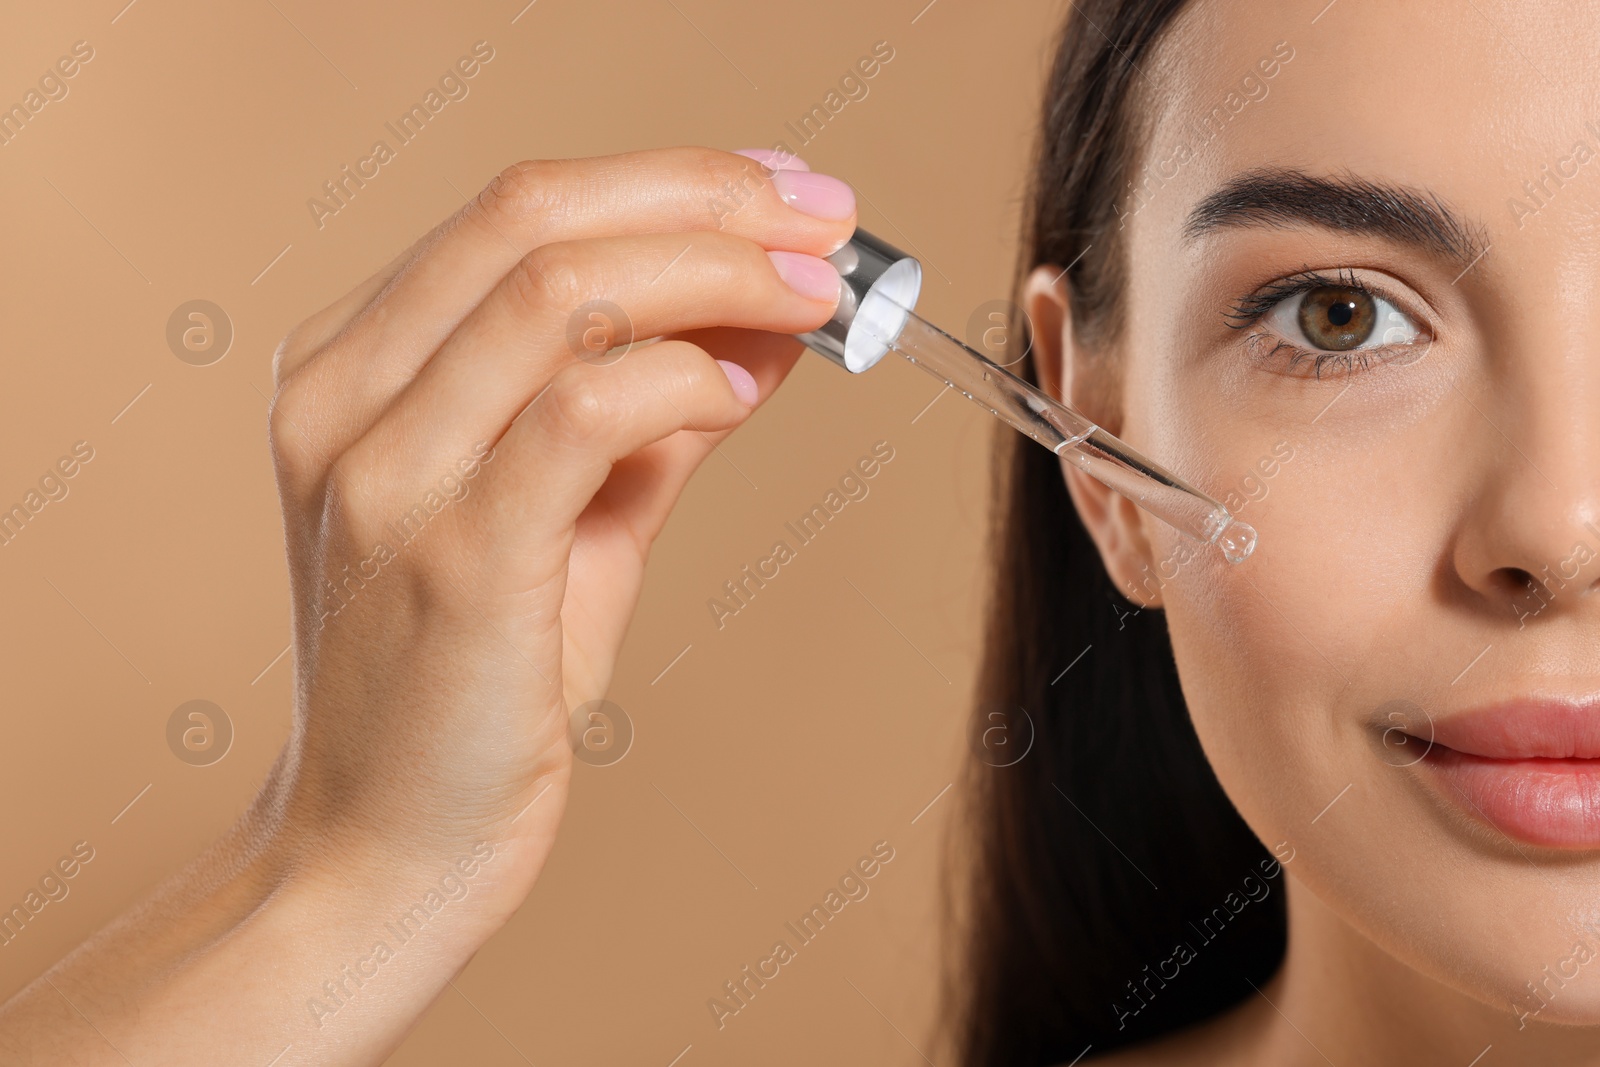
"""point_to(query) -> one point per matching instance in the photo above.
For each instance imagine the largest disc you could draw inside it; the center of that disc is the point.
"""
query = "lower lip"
(1554, 803)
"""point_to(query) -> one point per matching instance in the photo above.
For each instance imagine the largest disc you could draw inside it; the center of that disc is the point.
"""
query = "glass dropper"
(1065, 431)
(878, 290)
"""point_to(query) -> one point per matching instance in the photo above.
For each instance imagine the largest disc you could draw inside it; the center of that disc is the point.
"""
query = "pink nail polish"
(812, 278)
(774, 159)
(815, 194)
(744, 386)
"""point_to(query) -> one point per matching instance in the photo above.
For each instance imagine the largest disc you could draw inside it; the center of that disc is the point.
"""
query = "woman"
(1278, 221)
(1335, 804)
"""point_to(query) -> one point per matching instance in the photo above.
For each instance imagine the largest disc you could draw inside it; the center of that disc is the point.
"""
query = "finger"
(548, 201)
(517, 340)
(644, 487)
(553, 460)
(767, 356)
(306, 339)
(666, 190)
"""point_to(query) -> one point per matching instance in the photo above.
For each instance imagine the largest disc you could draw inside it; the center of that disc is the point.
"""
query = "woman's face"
(1364, 309)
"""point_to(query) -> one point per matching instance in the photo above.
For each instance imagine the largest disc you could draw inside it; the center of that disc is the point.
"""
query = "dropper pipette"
(878, 294)
(1065, 431)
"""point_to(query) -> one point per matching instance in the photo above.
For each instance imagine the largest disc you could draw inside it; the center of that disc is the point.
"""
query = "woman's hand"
(470, 488)
(470, 491)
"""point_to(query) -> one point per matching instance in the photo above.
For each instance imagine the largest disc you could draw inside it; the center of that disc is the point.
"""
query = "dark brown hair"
(1111, 842)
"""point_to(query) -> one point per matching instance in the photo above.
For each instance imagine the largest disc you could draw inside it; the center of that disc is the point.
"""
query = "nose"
(1522, 551)
(1529, 543)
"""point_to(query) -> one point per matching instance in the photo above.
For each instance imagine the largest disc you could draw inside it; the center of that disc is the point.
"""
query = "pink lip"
(1524, 729)
(1529, 767)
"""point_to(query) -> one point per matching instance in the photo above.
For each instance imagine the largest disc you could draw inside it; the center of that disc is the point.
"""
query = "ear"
(1086, 380)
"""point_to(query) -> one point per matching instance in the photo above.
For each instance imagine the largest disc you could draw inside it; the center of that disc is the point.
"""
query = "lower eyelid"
(1293, 355)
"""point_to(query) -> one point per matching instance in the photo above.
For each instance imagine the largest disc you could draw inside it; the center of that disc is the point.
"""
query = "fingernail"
(774, 159)
(815, 194)
(809, 276)
(744, 386)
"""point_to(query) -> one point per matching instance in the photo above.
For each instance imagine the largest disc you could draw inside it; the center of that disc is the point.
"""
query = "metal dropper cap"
(878, 283)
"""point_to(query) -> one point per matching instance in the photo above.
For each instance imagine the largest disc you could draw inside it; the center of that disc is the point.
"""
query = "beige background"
(824, 717)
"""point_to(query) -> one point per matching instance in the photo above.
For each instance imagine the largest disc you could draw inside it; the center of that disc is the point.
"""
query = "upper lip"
(1523, 728)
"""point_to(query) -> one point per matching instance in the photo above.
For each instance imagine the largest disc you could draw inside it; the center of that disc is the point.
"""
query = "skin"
(1393, 545)
(431, 713)
(432, 709)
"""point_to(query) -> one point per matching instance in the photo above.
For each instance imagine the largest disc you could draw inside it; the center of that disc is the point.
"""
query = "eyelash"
(1249, 310)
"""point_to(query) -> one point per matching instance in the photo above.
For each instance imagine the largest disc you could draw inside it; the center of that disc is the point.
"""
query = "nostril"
(1514, 581)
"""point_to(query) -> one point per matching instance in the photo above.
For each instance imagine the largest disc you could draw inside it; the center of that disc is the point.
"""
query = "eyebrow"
(1348, 204)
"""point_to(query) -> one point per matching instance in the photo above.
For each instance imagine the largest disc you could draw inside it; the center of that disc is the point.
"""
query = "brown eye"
(1337, 318)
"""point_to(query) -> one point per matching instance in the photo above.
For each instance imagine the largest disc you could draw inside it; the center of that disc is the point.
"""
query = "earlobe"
(1077, 377)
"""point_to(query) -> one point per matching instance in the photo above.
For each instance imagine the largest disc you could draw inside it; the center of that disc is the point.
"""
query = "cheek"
(1288, 659)
(1352, 527)
(1284, 657)
(1274, 653)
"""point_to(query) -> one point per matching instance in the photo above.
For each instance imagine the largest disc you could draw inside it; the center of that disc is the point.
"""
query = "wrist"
(296, 942)
(473, 875)
(397, 897)
(360, 943)
(389, 938)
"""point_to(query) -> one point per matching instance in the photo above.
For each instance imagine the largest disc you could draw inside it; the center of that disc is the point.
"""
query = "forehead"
(1466, 98)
